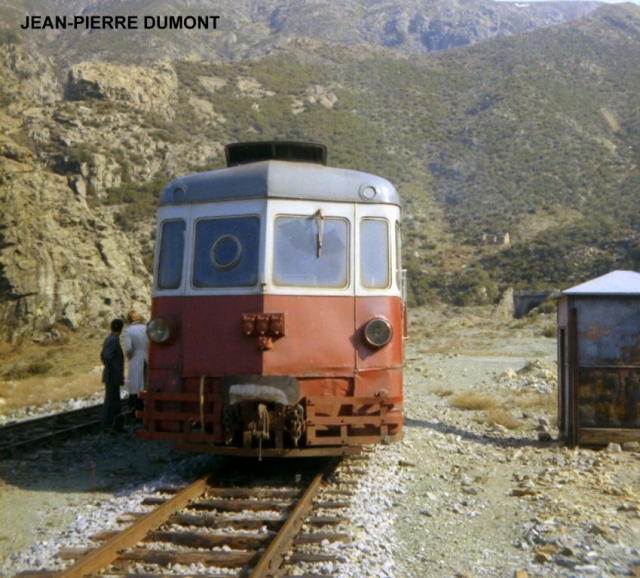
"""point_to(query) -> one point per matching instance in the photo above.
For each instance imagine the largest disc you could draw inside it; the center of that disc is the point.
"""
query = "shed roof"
(614, 283)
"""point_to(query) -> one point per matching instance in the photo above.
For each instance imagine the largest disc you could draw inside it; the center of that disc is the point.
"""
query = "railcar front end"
(278, 316)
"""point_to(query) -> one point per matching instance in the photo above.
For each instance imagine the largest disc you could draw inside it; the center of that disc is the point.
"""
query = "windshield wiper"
(320, 217)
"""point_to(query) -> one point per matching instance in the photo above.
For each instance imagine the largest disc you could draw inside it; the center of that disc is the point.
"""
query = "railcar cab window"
(374, 253)
(311, 251)
(399, 255)
(226, 252)
(169, 271)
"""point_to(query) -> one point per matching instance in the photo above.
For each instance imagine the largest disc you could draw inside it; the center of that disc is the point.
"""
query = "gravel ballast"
(460, 496)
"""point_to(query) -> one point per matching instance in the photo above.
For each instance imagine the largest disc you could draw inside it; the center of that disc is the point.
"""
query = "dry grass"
(441, 391)
(33, 374)
(494, 411)
(550, 331)
(38, 390)
(503, 417)
(533, 402)
(472, 401)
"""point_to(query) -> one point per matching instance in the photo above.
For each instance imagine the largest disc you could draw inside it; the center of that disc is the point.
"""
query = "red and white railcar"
(278, 316)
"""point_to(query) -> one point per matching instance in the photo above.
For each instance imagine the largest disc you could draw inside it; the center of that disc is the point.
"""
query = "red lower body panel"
(274, 375)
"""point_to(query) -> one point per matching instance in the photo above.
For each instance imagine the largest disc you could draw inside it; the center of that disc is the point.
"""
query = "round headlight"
(159, 330)
(378, 332)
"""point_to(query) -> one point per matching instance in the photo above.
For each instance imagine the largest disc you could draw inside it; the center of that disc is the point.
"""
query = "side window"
(226, 252)
(399, 276)
(169, 271)
(311, 252)
(374, 253)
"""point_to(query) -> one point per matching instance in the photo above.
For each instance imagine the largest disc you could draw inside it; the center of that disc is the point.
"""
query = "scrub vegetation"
(501, 138)
(516, 158)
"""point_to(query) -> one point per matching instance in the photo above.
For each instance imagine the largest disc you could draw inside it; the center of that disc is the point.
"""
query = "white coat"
(136, 348)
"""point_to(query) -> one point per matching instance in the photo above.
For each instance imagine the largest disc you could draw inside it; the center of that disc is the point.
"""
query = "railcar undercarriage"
(316, 425)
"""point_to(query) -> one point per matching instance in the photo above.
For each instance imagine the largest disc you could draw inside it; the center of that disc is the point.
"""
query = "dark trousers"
(112, 417)
(135, 403)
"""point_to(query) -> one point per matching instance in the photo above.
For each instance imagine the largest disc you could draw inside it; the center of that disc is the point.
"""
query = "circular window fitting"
(180, 194)
(226, 252)
(369, 193)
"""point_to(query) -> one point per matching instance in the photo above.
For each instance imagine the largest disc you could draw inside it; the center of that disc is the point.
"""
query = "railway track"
(255, 525)
(18, 438)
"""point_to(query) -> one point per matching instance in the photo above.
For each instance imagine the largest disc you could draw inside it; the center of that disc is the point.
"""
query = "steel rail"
(104, 555)
(253, 555)
(17, 436)
(271, 560)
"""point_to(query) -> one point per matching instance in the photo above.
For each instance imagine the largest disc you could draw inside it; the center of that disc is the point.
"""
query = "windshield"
(311, 251)
(226, 252)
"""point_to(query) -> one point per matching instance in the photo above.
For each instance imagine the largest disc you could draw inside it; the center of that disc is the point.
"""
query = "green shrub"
(39, 367)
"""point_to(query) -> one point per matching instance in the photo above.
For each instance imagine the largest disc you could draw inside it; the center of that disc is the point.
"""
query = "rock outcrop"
(60, 261)
(62, 258)
(82, 139)
(147, 89)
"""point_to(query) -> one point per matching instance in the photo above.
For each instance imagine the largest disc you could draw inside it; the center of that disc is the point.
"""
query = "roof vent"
(243, 153)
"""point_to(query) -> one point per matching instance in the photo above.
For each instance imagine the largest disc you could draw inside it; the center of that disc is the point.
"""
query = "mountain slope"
(251, 28)
(533, 137)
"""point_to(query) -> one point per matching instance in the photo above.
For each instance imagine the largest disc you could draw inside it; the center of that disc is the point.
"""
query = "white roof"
(614, 283)
(279, 179)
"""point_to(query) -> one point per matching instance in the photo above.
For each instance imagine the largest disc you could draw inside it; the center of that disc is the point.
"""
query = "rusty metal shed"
(599, 360)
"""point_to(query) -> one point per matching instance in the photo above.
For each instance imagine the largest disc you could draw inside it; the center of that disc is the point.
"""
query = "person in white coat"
(136, 348)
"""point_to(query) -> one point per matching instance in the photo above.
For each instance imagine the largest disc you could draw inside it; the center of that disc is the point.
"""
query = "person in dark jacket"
(113, 378)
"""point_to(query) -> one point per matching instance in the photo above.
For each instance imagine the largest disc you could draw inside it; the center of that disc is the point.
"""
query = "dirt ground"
(41, 493)
(480, 494)
(46, 491)
(34, 375)
(471, 491)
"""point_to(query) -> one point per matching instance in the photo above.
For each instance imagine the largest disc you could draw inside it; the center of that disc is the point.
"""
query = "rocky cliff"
(89, 121)
(61, 260)
(145, 89)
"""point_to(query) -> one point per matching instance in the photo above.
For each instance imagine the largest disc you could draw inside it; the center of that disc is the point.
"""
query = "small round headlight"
(159, 330)
(378, 332)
